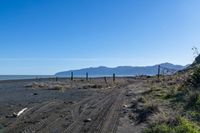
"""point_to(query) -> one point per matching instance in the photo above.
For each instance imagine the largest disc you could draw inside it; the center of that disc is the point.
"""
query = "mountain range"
(122, 70)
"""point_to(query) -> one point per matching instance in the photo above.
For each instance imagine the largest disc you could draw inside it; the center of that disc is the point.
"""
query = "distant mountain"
(122, 70)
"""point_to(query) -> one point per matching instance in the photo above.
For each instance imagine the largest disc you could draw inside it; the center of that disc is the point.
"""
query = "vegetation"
(183, 96)
(194, 80)
(182, 125)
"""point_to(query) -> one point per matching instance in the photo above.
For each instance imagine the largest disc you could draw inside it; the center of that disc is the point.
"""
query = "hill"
(178, 96)
(121, 70)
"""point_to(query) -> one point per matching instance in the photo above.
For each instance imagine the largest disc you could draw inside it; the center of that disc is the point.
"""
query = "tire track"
(104, 116)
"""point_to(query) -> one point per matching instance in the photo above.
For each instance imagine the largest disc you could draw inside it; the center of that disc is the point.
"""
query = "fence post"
(72, 76)
(113, 77)
(159, 71)
(87, 76)
(105, 79)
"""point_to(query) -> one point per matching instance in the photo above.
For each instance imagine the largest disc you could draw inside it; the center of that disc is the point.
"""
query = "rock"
(35, 94)
(125, 106)
(87, 120)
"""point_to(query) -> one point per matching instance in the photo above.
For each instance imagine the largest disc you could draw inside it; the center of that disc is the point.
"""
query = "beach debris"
(87, 120)
(14, 115)
(19, 113)
(125, 106)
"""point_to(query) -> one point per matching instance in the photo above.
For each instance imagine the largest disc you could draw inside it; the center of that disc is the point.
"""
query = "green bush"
(186, 126)
(183, 126)
(195, 78)
(194, 101)
(195, 115)
(163, 128)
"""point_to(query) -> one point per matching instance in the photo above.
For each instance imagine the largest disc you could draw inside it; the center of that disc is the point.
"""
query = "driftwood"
(19, 113)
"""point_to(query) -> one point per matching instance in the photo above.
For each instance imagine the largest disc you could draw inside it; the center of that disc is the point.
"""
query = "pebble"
(35, 94)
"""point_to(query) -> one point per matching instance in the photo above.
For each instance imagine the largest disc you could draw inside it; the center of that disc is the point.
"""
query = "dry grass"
(145, 112)
(48, 85)
(37, 85)
(142, 99)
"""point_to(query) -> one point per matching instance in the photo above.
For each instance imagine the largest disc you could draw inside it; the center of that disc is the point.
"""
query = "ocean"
(18, 77)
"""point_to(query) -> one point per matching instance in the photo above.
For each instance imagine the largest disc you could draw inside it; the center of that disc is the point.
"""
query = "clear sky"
(48, 36)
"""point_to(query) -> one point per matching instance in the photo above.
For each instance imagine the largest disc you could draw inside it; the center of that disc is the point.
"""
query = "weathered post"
(72, 76)
(87, 76)
(105, 79)
(113, 77)
(159, 71)
(56, 79)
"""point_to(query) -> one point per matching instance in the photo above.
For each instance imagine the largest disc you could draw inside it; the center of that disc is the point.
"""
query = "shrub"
(142, 100)
(163, 128)
(194, 101)
(56, 87)
(145, 112)
(183, 126)
(195, 78)
(186, 126)
(195, 115)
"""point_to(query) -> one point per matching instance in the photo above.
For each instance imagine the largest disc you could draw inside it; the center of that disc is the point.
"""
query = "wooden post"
(105, 79)
(159, 71)
(113, 77)
(87, 76)
(56, 79)
(72, 76)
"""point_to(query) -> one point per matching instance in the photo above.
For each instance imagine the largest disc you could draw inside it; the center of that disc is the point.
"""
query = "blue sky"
(47, 36)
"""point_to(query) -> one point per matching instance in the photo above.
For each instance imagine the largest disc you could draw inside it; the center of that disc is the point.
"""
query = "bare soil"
(70, 106)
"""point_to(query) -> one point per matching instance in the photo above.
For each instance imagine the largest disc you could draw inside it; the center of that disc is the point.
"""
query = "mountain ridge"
(121, 70)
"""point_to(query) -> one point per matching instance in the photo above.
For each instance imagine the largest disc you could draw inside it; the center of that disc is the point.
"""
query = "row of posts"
(87, 77)
(105, 78)
(159, 72)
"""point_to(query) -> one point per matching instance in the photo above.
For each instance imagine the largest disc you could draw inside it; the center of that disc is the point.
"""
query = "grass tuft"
(183, 126)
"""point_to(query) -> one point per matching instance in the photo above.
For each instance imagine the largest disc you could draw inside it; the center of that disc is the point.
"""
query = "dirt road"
(99, 112)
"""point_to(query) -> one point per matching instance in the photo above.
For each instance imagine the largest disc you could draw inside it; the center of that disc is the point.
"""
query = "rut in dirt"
(102, 109)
